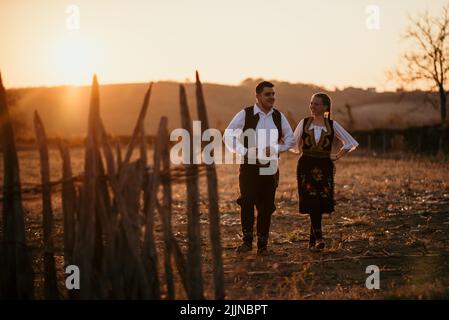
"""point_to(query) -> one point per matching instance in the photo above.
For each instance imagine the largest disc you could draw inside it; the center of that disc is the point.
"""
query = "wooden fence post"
(119, 156)
(51, 286)
(85, 243)
(150, 251)
(69, 208)
(17, 275)
(137, 128)
(165, 211)
(369, 141)
(419, 144)
(193, 228)
(122, 224)
(212, 189)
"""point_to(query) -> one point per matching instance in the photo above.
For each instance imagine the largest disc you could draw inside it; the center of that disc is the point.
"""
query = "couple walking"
(315, 169)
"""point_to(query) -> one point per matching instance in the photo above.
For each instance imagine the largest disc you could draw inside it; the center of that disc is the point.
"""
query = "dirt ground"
(389, 213)
(392, 213)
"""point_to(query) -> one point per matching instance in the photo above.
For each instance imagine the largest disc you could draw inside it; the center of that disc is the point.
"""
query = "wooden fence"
(430, 140)
(109, 213)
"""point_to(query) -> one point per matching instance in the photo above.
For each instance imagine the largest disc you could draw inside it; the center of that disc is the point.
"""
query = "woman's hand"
(334, 157)
(339, 154)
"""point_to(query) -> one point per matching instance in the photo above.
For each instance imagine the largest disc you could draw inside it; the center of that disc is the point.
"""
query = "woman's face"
(317, 108)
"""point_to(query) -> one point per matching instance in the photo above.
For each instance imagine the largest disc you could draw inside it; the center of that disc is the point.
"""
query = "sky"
(324, 42)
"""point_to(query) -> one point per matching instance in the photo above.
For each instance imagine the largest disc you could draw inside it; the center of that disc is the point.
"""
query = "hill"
(64, 109)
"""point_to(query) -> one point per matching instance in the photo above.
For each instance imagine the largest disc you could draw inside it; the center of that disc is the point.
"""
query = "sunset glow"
(326, 43)
(75, 59)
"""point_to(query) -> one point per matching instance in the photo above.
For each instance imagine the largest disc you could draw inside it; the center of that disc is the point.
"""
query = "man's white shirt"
(266, 132)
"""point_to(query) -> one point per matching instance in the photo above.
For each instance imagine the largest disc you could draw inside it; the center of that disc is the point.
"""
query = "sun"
(75, 59)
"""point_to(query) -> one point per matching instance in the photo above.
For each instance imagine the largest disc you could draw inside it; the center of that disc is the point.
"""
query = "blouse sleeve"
(297, 136)
(348, 141)
(233, 131)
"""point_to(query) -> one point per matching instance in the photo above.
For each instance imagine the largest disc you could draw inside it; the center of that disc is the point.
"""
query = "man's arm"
(233, 132)
(289, 139)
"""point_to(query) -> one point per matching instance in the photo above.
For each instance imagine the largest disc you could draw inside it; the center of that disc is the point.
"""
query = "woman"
(316, 169)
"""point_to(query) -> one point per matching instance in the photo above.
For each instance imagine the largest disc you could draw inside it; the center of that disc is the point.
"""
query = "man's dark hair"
(262, 85)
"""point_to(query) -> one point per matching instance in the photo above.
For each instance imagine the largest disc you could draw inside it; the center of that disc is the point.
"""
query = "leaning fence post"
(193, 228)
(119, 155)
(150, 251)
(171, 244)
(124, 223)
(86, 237)
(420, 134)
(51, 287)
(165, 211)
(146, 177)
(111, 222)
(181, 264)
(69, 208)
(384, 141)
(137, 128)
(369, 141)
(212, 189)
(17, 274)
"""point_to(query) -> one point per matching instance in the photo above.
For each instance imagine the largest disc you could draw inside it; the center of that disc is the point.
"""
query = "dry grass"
(391, 213)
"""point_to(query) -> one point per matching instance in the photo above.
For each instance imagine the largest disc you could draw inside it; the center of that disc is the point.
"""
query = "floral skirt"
(315, 178)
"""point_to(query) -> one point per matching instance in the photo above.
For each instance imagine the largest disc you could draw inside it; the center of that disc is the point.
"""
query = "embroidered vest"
(321, 148)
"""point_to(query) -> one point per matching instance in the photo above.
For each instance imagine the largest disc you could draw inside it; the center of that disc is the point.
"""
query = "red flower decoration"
(317, 174)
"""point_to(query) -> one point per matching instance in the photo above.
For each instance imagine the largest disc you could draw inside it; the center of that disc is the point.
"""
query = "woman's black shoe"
(320, 245)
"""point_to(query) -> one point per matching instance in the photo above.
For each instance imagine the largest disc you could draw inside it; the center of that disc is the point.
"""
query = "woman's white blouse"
(348, 141)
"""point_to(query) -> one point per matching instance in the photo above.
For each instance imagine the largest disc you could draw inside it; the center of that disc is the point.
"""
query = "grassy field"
(390, 213)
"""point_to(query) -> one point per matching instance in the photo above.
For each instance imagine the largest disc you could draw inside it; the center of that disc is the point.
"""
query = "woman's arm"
(349, 143)
(297, 136)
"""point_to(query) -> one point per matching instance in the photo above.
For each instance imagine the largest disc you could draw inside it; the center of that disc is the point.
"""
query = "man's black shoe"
(244, 248)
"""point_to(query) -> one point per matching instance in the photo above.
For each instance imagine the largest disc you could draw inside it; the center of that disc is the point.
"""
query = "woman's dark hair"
(326, 101)
(262, 85)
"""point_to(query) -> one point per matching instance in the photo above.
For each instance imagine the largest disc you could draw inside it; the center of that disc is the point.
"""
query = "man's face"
(266, 98)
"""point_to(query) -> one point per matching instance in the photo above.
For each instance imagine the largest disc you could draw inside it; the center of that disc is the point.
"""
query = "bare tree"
(428, 62)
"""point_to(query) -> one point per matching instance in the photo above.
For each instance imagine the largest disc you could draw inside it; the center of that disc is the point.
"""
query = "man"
(258, 178)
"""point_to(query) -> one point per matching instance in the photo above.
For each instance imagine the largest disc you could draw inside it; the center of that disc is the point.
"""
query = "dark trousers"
(256, 191)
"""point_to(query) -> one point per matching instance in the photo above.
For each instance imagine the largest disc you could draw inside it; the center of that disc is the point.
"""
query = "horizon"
(190, 82)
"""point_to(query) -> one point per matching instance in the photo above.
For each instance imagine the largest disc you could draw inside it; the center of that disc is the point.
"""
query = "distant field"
(64, 109)
(390, 213)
